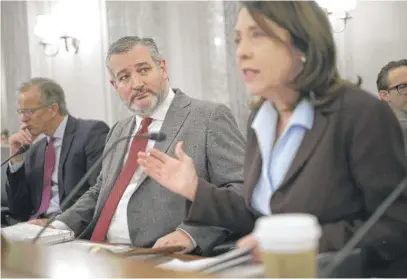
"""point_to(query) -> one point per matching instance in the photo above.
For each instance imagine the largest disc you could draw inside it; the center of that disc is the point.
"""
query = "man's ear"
(55, 109)
(163, 68)
(384, 95)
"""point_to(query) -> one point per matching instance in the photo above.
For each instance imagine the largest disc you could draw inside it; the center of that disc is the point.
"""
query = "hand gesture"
(176, 174)
(18, 139)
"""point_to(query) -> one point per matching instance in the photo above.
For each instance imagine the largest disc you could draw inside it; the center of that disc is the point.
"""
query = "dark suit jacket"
(403, 124)
(82, 145)
(347, 164)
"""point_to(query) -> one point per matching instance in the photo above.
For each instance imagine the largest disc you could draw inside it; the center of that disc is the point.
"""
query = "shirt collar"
(59, 132)
(266, 115)
(161, 111)
(303, 115)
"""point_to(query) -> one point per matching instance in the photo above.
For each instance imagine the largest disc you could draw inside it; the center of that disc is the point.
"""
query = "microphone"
(330, 270)
(20, 151)
(156, 136)
(151, 136)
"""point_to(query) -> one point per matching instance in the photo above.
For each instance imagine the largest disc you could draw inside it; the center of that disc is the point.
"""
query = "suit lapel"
(40, 162)
(116, 160)
(117, 157)
(176, 115)
(69, 135)
(307, 147)
(253, 163)
(252, 172)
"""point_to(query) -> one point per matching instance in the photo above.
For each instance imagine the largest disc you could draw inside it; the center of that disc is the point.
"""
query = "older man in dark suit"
(39, 180)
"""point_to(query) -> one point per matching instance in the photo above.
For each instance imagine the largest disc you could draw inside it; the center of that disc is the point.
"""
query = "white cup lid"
(288, 227)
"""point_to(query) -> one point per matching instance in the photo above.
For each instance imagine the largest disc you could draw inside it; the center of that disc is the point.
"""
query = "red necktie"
(49, 165)
(125, 176)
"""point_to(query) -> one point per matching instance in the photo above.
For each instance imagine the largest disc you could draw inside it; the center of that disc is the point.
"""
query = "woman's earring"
(303, 59)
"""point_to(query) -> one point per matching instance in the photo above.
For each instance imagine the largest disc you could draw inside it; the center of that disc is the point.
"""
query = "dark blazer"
(347, 164)
(403, 124)
(82, 145)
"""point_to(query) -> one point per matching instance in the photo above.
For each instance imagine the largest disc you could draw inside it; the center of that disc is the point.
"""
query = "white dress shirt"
(54, 206)
(277, 159)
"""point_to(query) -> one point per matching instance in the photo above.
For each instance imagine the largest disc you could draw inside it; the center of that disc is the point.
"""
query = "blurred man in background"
(392, 86)
(39, 180)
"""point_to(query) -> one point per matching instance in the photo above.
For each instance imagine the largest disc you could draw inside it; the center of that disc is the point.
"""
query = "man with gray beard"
(125, 205)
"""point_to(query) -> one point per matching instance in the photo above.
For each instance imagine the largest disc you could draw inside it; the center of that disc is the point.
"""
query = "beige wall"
(185, 32)
(374, 36)
(82, 75)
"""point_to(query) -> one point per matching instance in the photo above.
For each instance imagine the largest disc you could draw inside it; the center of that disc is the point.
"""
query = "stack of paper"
(87, 246)
(27, 232)
(238, 264)
(220, 264)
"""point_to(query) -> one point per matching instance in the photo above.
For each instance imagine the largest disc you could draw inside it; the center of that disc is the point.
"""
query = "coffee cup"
(288, 244)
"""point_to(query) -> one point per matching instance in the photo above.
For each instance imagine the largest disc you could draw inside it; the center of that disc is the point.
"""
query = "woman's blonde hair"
(311, 33)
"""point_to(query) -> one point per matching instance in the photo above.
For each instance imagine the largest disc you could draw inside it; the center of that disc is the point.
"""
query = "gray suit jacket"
(211, 138)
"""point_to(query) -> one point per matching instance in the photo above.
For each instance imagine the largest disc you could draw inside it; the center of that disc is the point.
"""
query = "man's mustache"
(143, 91)
(137, 93)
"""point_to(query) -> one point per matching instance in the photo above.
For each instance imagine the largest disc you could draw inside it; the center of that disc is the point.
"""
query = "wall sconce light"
(338, 12)
(51, 33)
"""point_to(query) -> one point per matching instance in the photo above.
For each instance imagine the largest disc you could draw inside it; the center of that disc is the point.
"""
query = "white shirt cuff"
(60, 225)
(194, 245)
(15, 167)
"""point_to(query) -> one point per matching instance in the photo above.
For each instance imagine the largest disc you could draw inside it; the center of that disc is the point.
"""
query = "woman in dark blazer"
(316, 144)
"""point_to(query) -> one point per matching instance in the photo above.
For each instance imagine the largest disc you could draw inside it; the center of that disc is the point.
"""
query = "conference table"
(85, 259)
(71, 260)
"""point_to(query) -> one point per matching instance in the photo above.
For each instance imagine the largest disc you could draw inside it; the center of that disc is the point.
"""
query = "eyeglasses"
(401, 88)
(31, 111)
